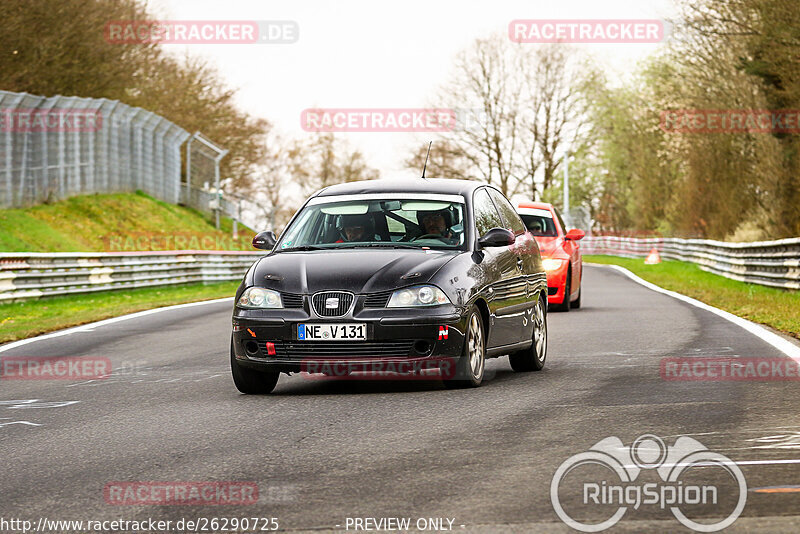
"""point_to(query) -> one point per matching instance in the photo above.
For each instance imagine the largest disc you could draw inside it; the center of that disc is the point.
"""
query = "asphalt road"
(322, 451)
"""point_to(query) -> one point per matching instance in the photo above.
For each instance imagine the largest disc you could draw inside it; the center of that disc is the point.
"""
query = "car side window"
(486, 215)
(510, 216)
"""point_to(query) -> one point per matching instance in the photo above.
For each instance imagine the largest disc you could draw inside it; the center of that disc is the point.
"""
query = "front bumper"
(267, 340)
(557, 284)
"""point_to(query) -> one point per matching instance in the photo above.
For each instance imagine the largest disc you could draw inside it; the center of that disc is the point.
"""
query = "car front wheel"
(251, 381)
(532, 358)
(471, 365)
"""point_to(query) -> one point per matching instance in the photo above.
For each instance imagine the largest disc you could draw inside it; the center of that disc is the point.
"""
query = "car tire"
(577, 303)
(533, 358)
(250, 381)
(565, 306)
(471, 366)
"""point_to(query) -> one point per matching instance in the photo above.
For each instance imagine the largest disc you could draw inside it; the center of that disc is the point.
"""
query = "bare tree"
(324, 160)
(446, 161)
(554, 87)
(516, 107)
(485, 93)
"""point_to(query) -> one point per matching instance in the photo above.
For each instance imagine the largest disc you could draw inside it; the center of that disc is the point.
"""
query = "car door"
(493, 262)
(519, 264)
(497, 264)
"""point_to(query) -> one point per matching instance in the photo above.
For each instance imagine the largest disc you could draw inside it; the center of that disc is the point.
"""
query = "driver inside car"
(437, 223)
(536, 227)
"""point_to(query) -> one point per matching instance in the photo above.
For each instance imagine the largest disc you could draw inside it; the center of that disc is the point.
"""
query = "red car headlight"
(552, 264)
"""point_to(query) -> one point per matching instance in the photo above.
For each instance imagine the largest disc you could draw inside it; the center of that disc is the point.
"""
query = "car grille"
(345, 300)
(290, 300)
(377, 300)
(338, 349)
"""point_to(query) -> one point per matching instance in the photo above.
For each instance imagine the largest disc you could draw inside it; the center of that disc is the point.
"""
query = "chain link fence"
(54, 147)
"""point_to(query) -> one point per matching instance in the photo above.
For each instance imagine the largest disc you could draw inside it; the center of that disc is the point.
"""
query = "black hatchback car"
(407, 276)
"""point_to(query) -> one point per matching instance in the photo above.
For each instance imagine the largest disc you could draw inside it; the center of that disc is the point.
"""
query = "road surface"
(323, 451)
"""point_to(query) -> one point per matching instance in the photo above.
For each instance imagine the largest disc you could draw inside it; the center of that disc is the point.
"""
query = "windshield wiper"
(385, 245)
(302, 248)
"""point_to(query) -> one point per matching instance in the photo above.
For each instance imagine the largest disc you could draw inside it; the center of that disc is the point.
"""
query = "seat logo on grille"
(332, 303)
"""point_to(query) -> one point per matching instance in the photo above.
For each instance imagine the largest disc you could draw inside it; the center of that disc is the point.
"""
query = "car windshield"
(540, 225)
(391, 221)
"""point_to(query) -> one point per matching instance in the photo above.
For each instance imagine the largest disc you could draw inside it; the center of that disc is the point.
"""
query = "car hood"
(359, 271)
(549, 246)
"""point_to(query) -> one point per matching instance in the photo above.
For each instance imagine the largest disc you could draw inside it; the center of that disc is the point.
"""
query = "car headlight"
(552, 264)
(418, 296)
(258, 297)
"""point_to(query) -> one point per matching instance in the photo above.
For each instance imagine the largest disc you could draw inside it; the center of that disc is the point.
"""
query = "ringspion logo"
(620, 488)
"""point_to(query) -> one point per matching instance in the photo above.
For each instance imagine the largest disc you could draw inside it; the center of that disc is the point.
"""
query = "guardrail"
(26, 275)
(768, 263)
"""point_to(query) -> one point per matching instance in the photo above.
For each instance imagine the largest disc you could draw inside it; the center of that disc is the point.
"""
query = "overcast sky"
(376, 53)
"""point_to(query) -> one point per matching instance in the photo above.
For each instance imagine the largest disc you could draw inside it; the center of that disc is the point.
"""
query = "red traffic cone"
(653, 258)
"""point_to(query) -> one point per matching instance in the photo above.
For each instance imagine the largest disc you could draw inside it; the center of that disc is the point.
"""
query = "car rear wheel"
(251, 381)
(532, 358)
(564, 306)
(471, 365)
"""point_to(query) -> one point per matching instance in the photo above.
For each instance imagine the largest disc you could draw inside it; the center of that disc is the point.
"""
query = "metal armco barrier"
(26, 275)
(768, 263)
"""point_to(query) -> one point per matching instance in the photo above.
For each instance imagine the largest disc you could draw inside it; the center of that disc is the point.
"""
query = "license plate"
(332, 332)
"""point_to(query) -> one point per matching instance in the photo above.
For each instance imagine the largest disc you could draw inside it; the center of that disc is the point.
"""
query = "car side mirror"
(575, 234)
(265, 241)
(496, 237)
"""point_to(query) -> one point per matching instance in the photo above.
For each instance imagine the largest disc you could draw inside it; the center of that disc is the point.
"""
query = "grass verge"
(777, 308)
(115, 223)
(19, 320)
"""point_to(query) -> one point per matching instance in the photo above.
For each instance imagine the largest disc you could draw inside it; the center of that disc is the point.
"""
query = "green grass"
(777, 308)
(19, 320)
(113, 222)
(103, 223)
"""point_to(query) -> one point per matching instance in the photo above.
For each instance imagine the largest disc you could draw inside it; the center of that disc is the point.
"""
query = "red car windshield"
(540, 226)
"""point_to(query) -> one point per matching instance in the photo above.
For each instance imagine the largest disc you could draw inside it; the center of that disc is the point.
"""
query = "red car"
(561, 253)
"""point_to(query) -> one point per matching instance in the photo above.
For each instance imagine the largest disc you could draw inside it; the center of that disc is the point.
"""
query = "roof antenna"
(426, 160)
